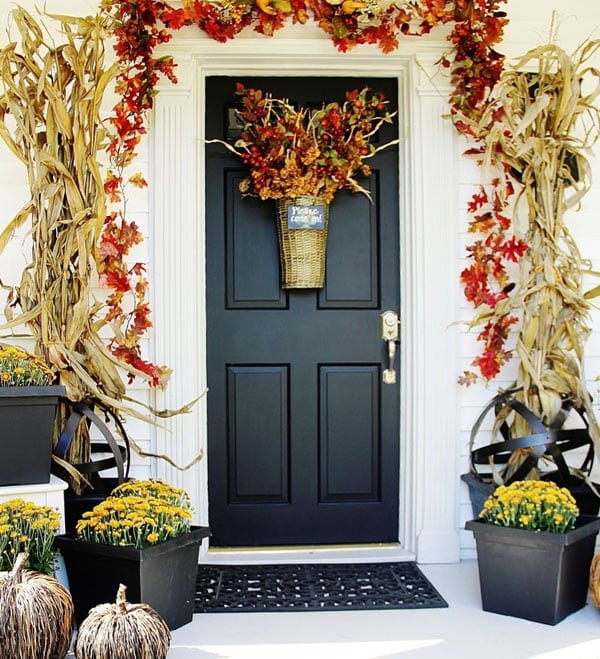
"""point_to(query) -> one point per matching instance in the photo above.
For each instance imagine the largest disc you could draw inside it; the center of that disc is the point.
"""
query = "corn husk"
(540, 145)
(50, 105)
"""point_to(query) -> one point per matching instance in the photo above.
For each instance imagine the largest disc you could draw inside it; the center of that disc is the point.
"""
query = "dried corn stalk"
(50, 105)
(538, 131)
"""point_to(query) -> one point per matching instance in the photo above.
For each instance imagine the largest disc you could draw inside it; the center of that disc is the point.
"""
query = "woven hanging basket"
(302, 229)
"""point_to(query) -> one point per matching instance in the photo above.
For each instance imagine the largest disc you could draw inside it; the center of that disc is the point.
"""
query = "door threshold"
(367, 553)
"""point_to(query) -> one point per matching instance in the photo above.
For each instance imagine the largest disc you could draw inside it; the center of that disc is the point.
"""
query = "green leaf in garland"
(282, 6)
(339, 27)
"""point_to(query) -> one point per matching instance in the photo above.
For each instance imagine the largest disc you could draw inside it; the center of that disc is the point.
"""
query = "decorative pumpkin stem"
(16, 574)
(121, 599)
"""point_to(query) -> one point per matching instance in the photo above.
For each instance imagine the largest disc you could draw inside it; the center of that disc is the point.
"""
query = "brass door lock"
(389, 333)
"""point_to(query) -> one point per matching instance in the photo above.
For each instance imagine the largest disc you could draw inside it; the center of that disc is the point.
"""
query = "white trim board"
(429, 243)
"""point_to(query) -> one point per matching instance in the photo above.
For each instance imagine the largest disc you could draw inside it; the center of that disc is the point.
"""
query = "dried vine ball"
(36, 614)
(123, 631)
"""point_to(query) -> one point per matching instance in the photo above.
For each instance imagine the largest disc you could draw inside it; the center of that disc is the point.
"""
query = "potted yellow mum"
(534, 551)
(26, 527)
(140, 536)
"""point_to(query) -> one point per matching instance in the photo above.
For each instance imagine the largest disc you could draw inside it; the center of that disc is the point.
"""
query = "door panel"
(252, 274)
(303, 434)
(258, 450)
(349, 434)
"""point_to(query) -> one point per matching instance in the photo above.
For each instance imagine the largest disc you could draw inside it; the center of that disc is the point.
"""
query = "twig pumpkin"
(595, 580)
(123, 631)
(36, 614)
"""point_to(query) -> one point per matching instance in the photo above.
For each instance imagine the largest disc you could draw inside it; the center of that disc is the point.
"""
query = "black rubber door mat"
(314, 587)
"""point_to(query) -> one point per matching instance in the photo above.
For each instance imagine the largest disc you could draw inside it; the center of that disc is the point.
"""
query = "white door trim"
(429, 226)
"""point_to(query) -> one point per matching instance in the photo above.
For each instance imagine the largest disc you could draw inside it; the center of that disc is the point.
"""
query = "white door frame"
(429, 227)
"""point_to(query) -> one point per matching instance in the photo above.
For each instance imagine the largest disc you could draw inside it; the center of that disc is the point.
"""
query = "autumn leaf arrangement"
(348, 22)
(140, 27)
(297, 151)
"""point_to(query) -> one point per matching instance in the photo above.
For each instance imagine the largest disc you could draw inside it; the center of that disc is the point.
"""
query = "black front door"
(303, 435)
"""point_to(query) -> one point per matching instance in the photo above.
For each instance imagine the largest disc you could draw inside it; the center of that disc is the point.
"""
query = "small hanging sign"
(306, 217)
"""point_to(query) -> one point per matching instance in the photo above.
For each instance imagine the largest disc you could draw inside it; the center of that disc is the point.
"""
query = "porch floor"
(462, 630)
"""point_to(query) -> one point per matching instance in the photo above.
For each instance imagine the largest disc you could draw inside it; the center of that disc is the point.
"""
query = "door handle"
(389, 333)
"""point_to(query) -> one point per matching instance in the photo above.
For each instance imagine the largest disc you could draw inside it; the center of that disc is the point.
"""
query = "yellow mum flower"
(532, 505)
(138, 514)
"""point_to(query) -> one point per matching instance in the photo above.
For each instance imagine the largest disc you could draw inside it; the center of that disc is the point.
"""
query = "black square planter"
(538, 576)
(163, 576)
(27, 420)
(77, 504)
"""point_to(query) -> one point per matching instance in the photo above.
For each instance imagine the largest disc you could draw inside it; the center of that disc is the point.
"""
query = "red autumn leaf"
(107, 249)
(477, 201)
(482, 223)
(115, 279)
(513, 249)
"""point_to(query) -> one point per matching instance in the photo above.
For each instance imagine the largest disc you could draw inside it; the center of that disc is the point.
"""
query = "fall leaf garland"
(136, 80)
(140, 26)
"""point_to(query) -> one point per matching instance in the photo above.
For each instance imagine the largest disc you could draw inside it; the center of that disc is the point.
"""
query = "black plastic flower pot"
(27, 420)
(162, 576)
(539, 576)
(479, 491)
(77, 504)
